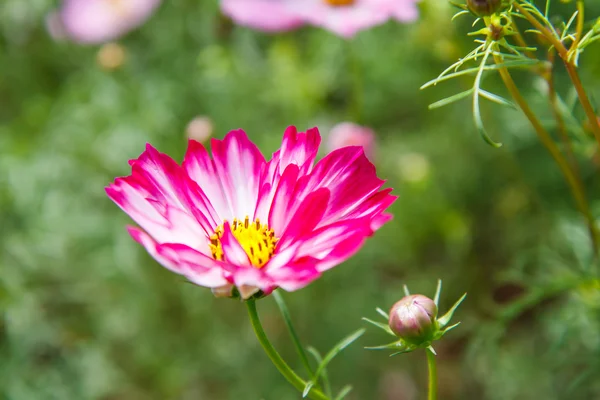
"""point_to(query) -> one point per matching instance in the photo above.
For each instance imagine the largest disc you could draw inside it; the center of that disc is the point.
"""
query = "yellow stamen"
(257, 240)
(340, 2)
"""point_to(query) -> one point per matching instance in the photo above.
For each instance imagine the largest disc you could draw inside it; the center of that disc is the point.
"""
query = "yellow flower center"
(257, 240)
(340, 2)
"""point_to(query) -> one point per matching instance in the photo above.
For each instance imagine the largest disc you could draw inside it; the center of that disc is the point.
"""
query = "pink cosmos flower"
(342, 17)
(350, 134)
(348, 17)
(98, 21)
(264, 15)
(237, 220)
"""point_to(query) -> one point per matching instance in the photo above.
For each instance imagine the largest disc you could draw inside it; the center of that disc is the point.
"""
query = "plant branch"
(569, 64)
(575, 186)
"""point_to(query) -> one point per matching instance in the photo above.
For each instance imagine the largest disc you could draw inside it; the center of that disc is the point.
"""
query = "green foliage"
(87, 314)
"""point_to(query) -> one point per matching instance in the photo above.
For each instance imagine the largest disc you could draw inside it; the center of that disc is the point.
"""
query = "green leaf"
(497, 99)
(438, 291)
(385, 327)
(443, 321)
(341, 345)
(400, 345)
(309, 385)
(476, 91)
(458, 14)
(451, 99)
(344, 392)
(382, 313)
(288, 323)
(324, 375)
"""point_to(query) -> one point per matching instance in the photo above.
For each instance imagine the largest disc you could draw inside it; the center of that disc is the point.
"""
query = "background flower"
(265, 15)
(347, 18)
(98, 21)
(351, 134)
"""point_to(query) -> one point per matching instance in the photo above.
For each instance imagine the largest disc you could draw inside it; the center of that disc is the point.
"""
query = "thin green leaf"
(448, 329)
(401, 352)
(521, 62)
(344, 392)
(438, 291)
(382, 313)
(385, 327)
(497, 99)
(309, 385)
(476, 111)
(568, 26)
(341, 345)
(324, 375)
(398, 345)
(448, 316)
(451, 99)
(458, 14)
(288, 323)
(406, 291)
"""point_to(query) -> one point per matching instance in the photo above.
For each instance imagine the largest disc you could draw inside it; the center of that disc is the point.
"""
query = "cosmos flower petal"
(197, 267)
(344, 21)
(264, 15)
(308, 216)
(233, 251)
(239, 164)
(278, 212)
(201, 169)
(297, 275)
(98, 21)
(337, 242)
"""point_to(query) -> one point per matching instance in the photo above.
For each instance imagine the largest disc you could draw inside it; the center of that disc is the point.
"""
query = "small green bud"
(483, 8)
(413, 319)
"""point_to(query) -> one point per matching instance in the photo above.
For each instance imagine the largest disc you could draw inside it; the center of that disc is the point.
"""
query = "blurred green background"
(85, 313)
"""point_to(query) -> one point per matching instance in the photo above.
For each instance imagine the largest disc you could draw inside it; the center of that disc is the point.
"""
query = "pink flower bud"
(414, 319)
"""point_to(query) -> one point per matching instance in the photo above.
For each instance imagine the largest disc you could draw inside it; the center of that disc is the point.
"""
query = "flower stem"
(432, 388)
(276, 359)
(569, 63)
(288, 322)
(574, 184)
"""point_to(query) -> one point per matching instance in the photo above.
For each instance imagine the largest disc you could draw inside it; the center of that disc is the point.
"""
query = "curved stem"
(569, 64)
(584, 100)
(276, 359)
(560, 123)
(288, 323)
(574, 184)
(432, 387)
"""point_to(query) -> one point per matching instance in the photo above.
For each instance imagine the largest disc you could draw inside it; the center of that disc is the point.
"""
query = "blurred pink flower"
(98, 21)
(350, 134)
(342, 17)
(264, 15)
(347, 17)
(238, 220)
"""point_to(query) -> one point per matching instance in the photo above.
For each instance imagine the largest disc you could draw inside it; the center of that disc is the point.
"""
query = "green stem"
(576, 187)
(569, 64)
(276, 359)
(288, 323)
(432, 388)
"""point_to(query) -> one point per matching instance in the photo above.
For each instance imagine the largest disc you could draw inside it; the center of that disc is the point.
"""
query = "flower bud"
(484, 8)
(413, 319)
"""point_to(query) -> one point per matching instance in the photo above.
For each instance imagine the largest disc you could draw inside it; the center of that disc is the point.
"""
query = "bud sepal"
(415, 324)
